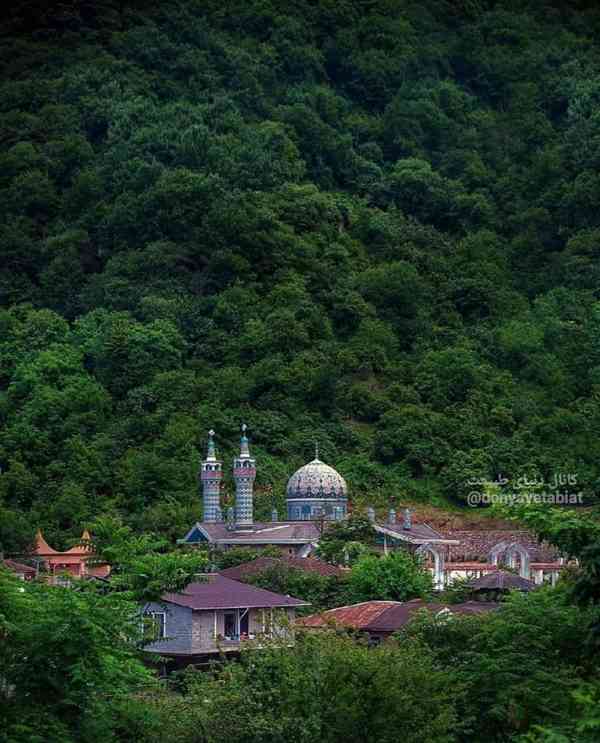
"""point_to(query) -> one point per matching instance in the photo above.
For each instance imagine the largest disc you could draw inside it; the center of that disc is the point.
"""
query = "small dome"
(316, 480)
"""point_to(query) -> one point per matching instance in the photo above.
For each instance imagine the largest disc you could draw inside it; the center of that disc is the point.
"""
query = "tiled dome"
(316, 480)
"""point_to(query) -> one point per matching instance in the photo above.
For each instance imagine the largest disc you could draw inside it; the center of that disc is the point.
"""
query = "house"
(77, 562)
(24, 572)
(477, 552)
(306, 564)
(293, 538)
(420, 539)
(217, 615)
(380, 619)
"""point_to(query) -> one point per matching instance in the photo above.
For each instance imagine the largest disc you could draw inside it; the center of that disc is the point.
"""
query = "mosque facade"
(315, 491)
(317, 496)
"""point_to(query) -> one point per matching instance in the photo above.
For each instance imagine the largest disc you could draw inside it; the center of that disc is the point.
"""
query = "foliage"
(142, 565)
(65, 656)
(576, 535)
(325, 688)
(237, 555)
(373, 225)
(345, 542)
(522, 665)
(398, 576)
(321, 591)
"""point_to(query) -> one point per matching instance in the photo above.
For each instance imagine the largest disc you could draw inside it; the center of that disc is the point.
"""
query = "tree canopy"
(373, 224)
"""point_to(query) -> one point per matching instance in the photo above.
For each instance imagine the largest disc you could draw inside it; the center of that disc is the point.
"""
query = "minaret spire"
(210, 477)
(244, 447)
(210, 455)
(244, 473)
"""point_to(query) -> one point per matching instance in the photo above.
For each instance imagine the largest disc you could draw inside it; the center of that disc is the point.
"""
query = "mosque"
(317, 495)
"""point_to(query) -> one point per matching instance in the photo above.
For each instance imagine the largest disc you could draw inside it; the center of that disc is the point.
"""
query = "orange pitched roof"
(83, 548)
(41, 545)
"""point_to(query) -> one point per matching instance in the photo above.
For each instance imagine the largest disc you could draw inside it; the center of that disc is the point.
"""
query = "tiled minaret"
(210, 476)
(244, 472)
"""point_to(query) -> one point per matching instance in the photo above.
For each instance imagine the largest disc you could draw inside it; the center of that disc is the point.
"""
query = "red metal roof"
(388, 616)
(356, 616)
(18, 567)
(476, 544)
(219, 592)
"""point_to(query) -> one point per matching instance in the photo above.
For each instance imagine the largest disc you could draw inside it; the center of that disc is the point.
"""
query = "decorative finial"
(316, 449)
(211, 445)
(244, 449)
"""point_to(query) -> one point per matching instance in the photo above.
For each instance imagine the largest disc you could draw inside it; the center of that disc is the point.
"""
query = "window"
(231, 625)
(155, 625)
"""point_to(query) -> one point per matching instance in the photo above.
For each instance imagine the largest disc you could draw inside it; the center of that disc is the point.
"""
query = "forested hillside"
(375, 224)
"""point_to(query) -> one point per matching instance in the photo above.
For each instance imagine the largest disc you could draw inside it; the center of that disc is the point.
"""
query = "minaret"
(210, 476)
(244, 472)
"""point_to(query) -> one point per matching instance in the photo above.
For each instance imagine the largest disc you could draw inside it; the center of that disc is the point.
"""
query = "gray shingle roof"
(219, 592)
(417, 534)
(285, 532)
(500, 580)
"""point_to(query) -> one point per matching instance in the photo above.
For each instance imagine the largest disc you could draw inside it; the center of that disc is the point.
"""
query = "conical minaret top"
(244, 447)
(210, 454)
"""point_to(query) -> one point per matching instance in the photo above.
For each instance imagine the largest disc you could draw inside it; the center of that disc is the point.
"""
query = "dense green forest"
(371, 222)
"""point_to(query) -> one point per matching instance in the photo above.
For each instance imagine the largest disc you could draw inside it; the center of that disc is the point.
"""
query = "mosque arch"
(510, 552)
(438, 563)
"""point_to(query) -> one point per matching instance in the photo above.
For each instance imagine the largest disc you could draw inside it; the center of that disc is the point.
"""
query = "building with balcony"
(217, 615)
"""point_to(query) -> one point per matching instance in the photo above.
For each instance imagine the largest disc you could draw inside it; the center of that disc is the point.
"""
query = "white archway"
(510, 553)
(438, 564)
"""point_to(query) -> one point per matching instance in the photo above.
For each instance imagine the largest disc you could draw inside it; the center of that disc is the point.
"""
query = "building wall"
(203, 630)
(194, 631)
(178, 629)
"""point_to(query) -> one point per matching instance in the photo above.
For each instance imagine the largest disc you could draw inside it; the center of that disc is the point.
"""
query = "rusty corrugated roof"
(386, 617)
(18, 567)
(356, 616)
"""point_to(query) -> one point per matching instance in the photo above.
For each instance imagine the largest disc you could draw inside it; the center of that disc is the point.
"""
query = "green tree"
(396, 577)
